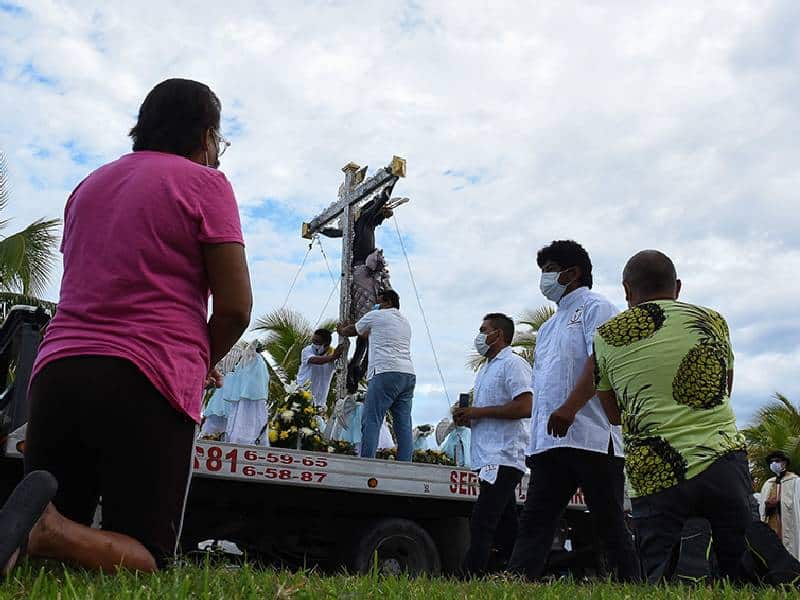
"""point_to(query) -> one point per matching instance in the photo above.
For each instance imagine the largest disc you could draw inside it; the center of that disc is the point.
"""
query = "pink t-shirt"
(134, 283)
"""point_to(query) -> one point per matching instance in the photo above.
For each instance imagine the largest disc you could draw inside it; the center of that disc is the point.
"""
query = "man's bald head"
(650, 275)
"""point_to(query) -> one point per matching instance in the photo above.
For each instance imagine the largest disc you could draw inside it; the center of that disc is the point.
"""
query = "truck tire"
(401, 546)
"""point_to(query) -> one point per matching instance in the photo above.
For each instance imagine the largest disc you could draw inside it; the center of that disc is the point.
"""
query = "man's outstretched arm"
(335, 355)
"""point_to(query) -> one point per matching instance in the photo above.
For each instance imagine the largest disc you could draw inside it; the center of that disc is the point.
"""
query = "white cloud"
(623, 126)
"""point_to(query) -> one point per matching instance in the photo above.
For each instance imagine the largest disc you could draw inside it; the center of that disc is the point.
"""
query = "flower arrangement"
(294, 424)
(430, 457)
(294, 421)
(338, 447)
(433, 457)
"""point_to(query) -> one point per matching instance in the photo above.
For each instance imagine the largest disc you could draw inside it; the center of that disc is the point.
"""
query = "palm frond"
(26, 257)
(330, 324)
(287, 333)
(535, 318)
(776, 427)
(524, 342)
(475, 361)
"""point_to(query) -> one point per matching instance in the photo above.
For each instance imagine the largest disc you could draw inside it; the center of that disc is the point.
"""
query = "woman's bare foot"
(55, 536)
(45, 533)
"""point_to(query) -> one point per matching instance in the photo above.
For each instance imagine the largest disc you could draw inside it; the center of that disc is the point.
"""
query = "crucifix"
(355, 190)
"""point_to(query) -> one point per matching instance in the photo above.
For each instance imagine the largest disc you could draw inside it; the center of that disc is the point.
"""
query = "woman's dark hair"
(566, 254)
(174, 117)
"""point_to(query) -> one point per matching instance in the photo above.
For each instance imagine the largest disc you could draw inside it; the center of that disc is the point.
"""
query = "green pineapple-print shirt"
(667, 362)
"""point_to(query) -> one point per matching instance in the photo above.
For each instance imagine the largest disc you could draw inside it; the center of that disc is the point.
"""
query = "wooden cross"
(355, 189)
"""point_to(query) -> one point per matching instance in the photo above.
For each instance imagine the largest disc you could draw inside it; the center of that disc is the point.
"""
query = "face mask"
(776, 467)
(550, 288)
(376, 306)
(481, 345)
(318, 348)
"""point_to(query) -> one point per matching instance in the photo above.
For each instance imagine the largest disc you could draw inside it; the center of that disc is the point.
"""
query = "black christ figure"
(370, 276)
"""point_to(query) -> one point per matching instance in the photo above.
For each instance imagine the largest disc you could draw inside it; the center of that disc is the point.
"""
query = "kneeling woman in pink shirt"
(117, 385)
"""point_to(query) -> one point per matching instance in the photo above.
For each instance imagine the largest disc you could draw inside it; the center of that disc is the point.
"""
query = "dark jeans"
(494, 520)
(555, 477)
(718, 494)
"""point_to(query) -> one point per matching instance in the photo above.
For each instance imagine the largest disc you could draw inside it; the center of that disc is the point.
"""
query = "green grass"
(48, 580)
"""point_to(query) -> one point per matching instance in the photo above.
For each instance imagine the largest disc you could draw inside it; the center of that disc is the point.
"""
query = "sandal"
(20, 513)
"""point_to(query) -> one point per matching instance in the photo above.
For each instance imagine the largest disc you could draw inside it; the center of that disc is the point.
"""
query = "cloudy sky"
(623, 125)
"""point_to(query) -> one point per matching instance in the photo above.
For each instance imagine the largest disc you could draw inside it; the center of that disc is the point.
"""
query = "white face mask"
(318, 348)
(481, 345)
(776, 467)
(550, 288)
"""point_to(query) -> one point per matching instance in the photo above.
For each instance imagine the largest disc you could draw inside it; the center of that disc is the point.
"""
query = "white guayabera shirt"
(563, 345)
(500, 441)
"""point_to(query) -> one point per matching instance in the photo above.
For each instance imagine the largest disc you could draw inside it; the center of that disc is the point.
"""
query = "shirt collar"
(502, 354)
(570, 300)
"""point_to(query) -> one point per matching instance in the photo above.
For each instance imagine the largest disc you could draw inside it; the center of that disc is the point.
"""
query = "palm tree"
(776, 427)
(524, 342)
(287, 333)
(26, 257)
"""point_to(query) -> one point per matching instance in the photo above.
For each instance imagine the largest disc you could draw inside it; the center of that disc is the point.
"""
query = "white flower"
(291, 388)
(306, 431)
(295, 406)
(287, 416)
(330, 448)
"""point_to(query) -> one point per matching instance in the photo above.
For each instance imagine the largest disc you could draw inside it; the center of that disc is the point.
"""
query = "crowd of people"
(149, 237)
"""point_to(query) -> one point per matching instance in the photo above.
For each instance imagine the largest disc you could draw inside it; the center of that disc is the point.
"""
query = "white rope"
(422, 311)
(333, 279)
(327, 302)
(296, 275)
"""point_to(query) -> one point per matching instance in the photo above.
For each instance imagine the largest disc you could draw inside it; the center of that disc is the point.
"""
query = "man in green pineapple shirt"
(664, 370)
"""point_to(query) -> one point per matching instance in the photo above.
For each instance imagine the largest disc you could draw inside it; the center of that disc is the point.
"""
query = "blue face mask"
(376, 306)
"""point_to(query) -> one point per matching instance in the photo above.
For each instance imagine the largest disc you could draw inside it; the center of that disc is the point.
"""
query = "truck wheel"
(400, 546)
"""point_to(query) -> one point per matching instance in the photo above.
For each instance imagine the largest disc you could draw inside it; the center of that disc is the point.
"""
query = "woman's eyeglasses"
(222, 143)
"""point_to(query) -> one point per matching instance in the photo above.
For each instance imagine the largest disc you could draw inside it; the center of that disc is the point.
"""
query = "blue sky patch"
(40, 152)
(280, 214)
(413, 17)
(31, 74)
(77, 154)
(464, 178)
(14, 10)
(232, 127)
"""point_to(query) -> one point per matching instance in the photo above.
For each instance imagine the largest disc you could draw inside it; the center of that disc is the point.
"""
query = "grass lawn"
(47, 580)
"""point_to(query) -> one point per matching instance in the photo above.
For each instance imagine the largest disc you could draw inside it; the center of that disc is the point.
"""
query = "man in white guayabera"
(499, 419)
(390, 375)
(589, 456)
